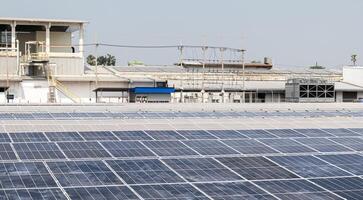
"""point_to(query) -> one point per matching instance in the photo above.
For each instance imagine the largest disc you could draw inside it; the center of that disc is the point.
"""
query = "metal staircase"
(54, 85)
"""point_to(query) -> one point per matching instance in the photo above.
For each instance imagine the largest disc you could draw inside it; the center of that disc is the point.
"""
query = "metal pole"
(204, 49)
(96, 67)
(222, 65)
(243, 75)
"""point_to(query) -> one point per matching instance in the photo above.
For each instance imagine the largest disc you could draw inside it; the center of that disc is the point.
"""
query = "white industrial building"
(41, 63)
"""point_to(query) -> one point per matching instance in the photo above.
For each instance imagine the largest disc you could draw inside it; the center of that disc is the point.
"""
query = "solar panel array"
(183, 164)
(176, 114)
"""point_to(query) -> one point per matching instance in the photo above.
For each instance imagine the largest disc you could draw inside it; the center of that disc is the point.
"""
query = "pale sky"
(291, 32)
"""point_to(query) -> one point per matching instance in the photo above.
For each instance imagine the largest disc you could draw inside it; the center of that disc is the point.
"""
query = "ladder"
(54, 85)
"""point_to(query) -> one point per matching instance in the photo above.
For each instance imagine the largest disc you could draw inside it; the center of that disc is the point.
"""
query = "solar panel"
(357, 130)
(41, 194)
(256, 133)
(23, 116)
(63, 136)
(256, 168)
(42, 116)
(196, 134)
(323, 145)
(83, 173)
(39, 150)
(209, 147)
(348, 188)
(355, 143)
(169, 148)
(169, 192)
(249, 146)
(132, 135)
(6, 152)
(308, 166)
(226, 134)
(286, 145)
(350, 162)
(4, 137)
(144, 171)
(127, 149)
(60, 115)
(97, 193)
(165, 135)
(285, 133)
(341, 132)
(313, 132)
(83, 150)
(28, 137)
(295, 189)
(97, 135)
(201, 169)
(16, 175)
(233, 191)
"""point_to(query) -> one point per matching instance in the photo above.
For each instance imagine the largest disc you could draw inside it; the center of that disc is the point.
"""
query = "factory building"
(43, 61)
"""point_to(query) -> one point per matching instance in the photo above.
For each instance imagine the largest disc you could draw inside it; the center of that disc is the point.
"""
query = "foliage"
(107, 60)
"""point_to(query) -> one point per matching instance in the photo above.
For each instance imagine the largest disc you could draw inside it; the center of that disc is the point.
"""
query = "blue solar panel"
(39, 150)
(341, 132)
(95, 193)
(256, 133)
(83, 173)
(233, 191)
(196, 134)
(132, 135)
(42, 116)
(348, 188)
(127, 149)
(60, 115)
(63, 136)
(28, 137)
(144, 171)
(323, 145)
(354, 143)
(285, 133)
(6, 152)
(295, 189)
(249, 146)
(25, 175)
(97, 135)
(201, 170)
(350, 162)
(256, 168)
(287, 145)
(309, 166)
(83, 150)
(314, 132)
(227, 134)
(169, 148)
(209, 147)
(39, 194)
(169, 192)
(4, 137)
(165, 135)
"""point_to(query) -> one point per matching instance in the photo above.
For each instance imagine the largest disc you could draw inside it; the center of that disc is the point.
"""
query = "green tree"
(91, 60)
(107, 60)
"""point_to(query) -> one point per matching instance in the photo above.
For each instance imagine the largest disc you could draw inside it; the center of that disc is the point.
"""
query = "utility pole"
(96, 62)
(204, 49)
(243, 76)
(222, 65)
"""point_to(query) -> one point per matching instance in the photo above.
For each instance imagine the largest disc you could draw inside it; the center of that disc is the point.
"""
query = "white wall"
(57, 39)
(353, 75)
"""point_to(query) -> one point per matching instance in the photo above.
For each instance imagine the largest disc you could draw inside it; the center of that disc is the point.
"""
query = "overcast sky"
(291, 32)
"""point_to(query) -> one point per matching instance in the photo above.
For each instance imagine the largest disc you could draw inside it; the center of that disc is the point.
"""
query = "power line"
(161, 46)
